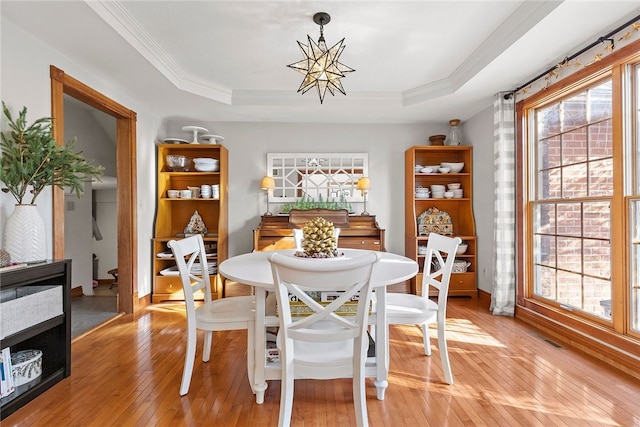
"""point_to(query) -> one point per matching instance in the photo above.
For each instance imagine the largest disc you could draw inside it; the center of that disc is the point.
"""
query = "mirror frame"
(331, 175)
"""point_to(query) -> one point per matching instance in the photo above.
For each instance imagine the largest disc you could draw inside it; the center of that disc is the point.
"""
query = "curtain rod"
(606, 37)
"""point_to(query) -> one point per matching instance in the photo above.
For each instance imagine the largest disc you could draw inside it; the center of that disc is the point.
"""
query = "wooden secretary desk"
(356, 231)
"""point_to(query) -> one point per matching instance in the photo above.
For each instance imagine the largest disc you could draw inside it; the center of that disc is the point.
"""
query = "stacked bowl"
(206, 164)
(437, 191)
(205, 191)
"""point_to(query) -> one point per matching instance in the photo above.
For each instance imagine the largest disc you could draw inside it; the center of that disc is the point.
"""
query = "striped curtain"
(503, 295)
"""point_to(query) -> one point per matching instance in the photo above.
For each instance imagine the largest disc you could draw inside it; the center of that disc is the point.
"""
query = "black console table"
(23, 289)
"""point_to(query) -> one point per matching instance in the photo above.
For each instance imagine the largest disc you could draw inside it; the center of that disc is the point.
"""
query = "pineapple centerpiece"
(318, 239)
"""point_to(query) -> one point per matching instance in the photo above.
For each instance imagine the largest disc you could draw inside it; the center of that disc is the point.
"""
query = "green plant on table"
(308, 203)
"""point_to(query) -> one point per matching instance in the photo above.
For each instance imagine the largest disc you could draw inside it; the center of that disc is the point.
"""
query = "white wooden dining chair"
(213, 315)
(323, 345)
(410, 309)
(298, 236)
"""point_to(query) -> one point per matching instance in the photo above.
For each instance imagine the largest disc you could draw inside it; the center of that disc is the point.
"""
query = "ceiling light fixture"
(321, 67)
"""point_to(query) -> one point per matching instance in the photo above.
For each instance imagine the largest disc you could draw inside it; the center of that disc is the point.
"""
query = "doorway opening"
(126, 194)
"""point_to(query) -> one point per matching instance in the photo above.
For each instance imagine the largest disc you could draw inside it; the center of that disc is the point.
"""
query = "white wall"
(25, 81)
(107, 219)
(91, 138)
(479, 130)
(78, 239)
(249, 143)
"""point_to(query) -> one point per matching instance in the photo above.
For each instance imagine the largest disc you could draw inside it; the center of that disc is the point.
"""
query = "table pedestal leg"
(260, 384)
(382, 343)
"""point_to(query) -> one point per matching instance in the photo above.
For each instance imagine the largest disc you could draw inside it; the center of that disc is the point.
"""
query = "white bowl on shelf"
(206, 164)
(453, 167)
(462, 248)
(206, 160)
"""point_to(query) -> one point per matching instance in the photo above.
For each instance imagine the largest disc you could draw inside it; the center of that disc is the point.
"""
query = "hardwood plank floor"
(128, 372)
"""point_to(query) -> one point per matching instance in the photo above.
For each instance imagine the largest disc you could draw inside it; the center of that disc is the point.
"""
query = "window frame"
(534, 198)
(603, 339)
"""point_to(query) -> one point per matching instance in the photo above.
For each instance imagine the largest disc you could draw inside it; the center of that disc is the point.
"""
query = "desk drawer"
(359, 243)
(272, 243)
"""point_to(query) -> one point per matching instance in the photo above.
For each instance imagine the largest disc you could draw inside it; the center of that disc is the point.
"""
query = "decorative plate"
(171, 271)
(176, 141)
(434, 220)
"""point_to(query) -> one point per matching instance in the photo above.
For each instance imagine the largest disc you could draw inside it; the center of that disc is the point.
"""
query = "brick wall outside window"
(572, 241)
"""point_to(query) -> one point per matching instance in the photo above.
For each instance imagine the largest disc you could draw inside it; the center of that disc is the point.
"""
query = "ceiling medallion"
(321, 67)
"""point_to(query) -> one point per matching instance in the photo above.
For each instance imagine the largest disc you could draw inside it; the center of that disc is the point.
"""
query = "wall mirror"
(325, 176)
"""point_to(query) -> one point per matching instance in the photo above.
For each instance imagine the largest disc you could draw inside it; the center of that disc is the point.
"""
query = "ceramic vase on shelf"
(455, 133)
(24, 235)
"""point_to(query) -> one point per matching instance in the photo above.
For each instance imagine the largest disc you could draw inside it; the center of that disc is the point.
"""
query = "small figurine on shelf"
(196, 225)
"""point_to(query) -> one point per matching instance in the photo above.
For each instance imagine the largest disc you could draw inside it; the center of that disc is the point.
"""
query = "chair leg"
(189, 359)
(206, 351)
(444, 354)
(426, 339)
(359, 392)
(286, 394)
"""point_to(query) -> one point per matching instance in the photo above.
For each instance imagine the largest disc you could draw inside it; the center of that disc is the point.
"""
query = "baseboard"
(141, 302)
(77, 291)
(624, 360)
(484, 297)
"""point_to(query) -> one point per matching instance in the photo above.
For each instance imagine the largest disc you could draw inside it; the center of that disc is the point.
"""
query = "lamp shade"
(364, 183)
(267, 183)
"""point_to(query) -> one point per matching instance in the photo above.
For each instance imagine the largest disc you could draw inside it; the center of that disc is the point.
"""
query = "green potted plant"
(32, 161)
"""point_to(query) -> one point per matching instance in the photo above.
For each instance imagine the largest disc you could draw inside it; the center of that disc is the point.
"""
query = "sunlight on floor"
(463, 333)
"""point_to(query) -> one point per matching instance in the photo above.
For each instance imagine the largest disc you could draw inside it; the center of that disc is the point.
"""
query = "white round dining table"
(254, 269)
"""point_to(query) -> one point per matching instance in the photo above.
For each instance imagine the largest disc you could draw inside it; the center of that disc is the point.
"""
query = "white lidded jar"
(455, 133)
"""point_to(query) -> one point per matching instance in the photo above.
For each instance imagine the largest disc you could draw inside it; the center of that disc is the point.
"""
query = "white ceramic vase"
(24, 235)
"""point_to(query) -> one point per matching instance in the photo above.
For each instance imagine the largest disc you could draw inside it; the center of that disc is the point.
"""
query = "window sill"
(603, 343)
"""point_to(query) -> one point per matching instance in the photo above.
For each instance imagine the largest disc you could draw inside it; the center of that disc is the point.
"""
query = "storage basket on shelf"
(459, 265)
(26, 366)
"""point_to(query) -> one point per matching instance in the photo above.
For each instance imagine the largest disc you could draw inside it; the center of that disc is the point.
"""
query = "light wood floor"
(128, 374)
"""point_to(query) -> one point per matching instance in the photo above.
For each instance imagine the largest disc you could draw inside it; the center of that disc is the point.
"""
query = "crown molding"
(114, 14)
(527, 16)
(521, 21)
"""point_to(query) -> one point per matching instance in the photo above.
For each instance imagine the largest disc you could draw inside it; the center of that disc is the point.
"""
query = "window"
(572, 148)
(579, 269)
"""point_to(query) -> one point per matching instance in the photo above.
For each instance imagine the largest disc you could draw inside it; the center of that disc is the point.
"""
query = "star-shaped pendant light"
(321, 66)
